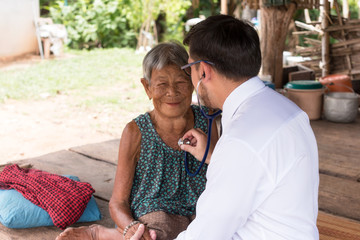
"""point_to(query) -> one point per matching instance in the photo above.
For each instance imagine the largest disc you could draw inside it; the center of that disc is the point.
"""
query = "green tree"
(115, 23)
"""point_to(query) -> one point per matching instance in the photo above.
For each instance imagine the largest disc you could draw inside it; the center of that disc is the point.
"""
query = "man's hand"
(197, 144)
(140, 231)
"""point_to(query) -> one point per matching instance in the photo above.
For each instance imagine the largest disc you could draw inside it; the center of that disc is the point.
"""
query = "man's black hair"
(231, 44)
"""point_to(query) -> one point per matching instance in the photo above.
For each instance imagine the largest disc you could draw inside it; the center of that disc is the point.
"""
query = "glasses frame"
(190, 64)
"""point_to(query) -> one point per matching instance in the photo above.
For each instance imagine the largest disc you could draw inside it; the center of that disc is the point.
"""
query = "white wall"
(17, 29)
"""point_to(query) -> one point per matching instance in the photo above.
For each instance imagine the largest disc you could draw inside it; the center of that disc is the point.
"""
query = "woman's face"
(171, 91)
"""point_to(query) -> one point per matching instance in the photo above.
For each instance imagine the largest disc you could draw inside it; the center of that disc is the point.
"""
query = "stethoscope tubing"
(211, 118)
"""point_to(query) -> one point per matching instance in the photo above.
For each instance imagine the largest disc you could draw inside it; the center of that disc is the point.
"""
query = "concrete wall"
(17, 29)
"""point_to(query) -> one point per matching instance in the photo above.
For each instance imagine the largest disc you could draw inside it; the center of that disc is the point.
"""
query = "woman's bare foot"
(93, 232)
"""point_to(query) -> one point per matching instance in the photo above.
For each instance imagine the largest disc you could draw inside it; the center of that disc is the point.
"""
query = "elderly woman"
(151, 184)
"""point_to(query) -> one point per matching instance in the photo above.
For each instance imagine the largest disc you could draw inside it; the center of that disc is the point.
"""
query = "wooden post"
(346, 12)
(274, 27)
(307, 16)
(325, 40)
(343, 35)
(224, 7)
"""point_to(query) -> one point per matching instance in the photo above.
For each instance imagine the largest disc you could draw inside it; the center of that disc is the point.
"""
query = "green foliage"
(114, 23)
(175, 11)
(207, 8)
(99, 23)
(44, 7)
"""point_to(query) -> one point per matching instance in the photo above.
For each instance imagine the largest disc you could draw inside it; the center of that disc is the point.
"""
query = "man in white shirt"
(263, 177)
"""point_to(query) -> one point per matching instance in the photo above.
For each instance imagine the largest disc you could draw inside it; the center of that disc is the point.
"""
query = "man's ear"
(146, 86)
(205, 72)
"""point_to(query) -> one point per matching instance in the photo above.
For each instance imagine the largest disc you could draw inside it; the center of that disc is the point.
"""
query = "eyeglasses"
(187, 68)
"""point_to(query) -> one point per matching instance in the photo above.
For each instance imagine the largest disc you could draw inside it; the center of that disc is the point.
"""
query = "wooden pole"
(307, 16)
(224, 7)
(343, 36)
(346, 9)
(325, 40)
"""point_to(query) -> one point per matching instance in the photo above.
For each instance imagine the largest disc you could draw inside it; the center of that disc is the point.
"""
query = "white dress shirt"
(263, 176)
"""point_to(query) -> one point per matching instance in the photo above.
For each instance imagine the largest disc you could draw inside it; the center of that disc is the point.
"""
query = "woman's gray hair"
(162, 55)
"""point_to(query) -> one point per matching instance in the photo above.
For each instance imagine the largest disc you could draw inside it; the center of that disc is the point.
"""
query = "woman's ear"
(146, 86)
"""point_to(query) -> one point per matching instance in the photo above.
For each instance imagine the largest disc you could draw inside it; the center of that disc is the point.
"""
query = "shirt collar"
(238, 96)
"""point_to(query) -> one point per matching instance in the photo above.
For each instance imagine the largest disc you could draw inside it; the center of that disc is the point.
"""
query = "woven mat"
(337, 228)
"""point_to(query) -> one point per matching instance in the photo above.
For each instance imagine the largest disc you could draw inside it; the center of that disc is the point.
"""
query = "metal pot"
(341, 106)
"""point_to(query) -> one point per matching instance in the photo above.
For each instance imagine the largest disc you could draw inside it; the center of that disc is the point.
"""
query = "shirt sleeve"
(237, 183)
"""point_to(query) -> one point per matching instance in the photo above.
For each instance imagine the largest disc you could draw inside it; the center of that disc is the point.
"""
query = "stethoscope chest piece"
(185, 141)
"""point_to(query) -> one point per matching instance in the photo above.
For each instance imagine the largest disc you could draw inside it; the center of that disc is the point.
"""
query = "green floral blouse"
(161, 182)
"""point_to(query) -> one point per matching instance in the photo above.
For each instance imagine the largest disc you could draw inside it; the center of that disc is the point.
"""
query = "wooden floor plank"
(342, 165)
(339, 196)
(106, 151)
(339, 228)
(339, 148)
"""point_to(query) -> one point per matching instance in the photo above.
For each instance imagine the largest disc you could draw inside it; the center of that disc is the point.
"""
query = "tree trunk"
(273, 29)
(231, 7)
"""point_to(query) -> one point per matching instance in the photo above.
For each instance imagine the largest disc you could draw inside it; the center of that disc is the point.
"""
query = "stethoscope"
(210, 117)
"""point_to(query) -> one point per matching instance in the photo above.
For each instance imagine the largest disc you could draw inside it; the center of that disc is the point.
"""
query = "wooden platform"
(339, 156)
(337, 228)
(339, 192)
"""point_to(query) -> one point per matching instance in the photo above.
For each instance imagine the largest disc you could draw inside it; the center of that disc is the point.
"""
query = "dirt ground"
(30, 128)
(33, 128)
